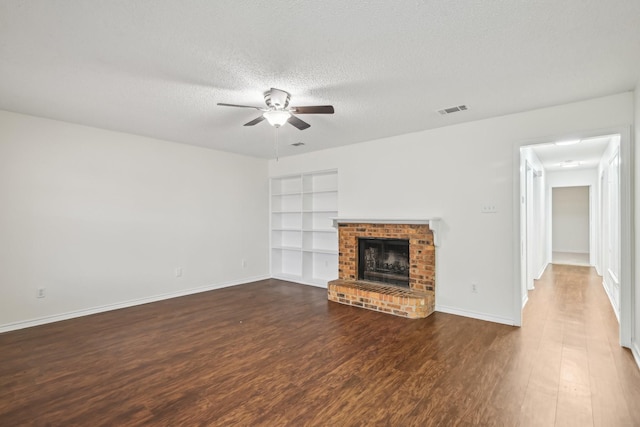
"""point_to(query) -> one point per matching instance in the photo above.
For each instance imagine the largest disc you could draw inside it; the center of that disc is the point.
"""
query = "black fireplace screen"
(384, 260)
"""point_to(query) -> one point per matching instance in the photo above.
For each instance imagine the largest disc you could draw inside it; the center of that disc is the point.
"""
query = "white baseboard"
(611, 300)
(541, 272)
(300, 281)
(525, 299)
(474, 315)
(635, 350)
(116, 306)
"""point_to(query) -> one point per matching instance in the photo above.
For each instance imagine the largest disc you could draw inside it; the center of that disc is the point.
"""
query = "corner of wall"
(635, 333)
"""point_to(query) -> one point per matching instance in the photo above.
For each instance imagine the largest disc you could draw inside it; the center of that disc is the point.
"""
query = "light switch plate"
(488, 208)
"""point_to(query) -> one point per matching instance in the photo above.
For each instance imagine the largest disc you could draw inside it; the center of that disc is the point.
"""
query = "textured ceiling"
(158, 68)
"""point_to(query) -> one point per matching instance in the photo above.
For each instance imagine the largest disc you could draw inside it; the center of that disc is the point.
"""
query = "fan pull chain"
(276, 144)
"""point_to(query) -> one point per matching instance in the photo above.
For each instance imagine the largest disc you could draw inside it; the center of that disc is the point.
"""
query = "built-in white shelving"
(304, 243)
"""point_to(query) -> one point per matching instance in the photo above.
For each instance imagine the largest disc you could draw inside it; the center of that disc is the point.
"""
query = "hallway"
(579, 373)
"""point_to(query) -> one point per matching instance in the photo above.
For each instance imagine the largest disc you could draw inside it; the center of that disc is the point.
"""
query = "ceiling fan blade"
(315, 109)
(240, 106)
(300, 124)
(255, 121)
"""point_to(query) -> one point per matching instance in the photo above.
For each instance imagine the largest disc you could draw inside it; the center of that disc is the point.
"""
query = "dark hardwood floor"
(276, 353)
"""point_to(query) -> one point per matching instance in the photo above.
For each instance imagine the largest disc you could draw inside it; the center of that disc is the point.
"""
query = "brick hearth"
(416, 302)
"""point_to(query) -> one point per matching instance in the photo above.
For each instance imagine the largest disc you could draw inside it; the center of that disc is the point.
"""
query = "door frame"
(626, 215)
(528, 238)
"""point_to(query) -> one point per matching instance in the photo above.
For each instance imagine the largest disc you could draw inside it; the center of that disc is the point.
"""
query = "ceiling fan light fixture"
(277, 118)
(277, 112)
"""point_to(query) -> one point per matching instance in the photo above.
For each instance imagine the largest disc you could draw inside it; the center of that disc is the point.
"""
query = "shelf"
(286, 203)
(320, 181)
(286, 220)
(318, 220)
(286, 262)
(319, 202)
(289, 193)
(288, 248)
(296, 212)
(286, 184)
(320, 267)
(320, 242)
(319, 191)
(286, 239)
(304, 244)
(321, 251)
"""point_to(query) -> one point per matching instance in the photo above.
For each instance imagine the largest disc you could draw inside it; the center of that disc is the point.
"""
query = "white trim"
(544, 267)
(516, 231)
(607, 290)
(433, 223)
(613, 277)
(635, 350)
(474, 315)
(627, 251)
(382, 221)
(525, 300)
(116, 306)
(598, 272)
(301, 281)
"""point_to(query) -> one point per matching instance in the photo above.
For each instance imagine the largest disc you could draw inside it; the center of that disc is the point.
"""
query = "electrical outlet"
(474, 288)
(40, 293)
(178, 271)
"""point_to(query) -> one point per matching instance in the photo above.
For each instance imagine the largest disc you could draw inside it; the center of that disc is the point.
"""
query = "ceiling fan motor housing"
(276, 98)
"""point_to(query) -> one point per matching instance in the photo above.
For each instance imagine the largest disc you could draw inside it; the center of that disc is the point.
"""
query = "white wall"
(101, 218)
(570, 219)
(449, 172)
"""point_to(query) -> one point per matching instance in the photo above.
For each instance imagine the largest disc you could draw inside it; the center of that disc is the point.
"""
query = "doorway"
(570, 225)
(593, 165)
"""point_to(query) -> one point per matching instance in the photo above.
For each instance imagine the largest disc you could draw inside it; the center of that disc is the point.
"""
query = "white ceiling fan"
(278, 111)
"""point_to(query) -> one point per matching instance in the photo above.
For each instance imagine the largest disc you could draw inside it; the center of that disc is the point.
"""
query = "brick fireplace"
(415, 301)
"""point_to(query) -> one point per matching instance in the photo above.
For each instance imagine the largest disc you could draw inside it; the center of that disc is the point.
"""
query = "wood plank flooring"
(275, 353)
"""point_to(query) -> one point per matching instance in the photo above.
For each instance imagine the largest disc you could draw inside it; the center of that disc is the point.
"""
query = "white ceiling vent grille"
(450, 110)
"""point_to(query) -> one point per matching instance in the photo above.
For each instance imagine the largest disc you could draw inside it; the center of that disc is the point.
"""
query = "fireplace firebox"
(384, 261)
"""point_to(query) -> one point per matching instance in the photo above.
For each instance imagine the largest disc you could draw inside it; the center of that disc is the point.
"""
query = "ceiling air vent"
(298, 144)
(450, 110)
